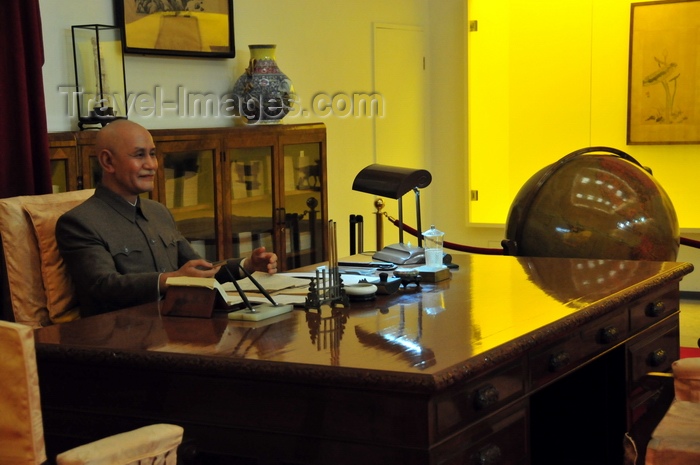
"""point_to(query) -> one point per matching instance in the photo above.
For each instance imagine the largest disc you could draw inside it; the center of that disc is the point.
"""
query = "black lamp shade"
(390, 181)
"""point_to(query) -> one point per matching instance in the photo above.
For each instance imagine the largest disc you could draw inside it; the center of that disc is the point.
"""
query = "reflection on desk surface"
(491, 302)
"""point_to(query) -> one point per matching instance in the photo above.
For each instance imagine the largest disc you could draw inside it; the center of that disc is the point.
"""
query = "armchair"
(36, 288)
(676, 440)
(21, 428)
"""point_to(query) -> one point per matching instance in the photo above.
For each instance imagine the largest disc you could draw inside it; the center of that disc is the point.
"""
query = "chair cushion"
(23, 261)
(157, 442)
(22, 264)
(676, 441)
(61, 301)
(21, 429)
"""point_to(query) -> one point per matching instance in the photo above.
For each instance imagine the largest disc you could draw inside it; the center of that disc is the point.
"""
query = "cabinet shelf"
(249, 200)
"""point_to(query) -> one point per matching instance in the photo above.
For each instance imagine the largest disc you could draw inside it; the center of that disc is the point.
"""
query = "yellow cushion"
(22, 262)
(21, 429)
(58, 285)
(21, 253)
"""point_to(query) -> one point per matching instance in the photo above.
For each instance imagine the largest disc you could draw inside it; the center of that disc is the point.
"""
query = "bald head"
(127, 156)
(113, 136)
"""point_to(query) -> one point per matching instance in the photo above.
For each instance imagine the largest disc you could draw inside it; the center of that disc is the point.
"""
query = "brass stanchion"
(379, 205)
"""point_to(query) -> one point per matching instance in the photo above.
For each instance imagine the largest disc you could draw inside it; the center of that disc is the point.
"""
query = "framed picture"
(200, 28)
(663, 104)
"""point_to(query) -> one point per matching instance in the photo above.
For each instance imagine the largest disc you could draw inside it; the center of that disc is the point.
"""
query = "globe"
(597, 202)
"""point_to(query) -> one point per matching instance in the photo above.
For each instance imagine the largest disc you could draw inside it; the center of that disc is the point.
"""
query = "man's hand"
(199, 268)
(261, 260)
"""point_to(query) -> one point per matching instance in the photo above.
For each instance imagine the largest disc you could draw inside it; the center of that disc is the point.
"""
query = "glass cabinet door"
(303, 207)
(92, 172)
(59, 175)
(251, 206)
(63, 155)
(186, 185)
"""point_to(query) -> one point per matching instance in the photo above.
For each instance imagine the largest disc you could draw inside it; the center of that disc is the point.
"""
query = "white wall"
(324, 47)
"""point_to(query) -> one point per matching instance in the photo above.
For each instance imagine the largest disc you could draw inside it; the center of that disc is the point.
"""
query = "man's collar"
(119, 203)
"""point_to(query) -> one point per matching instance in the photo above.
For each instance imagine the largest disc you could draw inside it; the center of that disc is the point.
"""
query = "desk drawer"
(497, 440)
(459, 408)
(568, 352)
(653, 309)
(654, 350)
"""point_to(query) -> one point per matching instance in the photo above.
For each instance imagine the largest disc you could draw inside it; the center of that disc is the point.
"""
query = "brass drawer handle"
(657, 358)
(489, 455)
(485, 397)
(608, 334)
(655, 308)
(559, 361)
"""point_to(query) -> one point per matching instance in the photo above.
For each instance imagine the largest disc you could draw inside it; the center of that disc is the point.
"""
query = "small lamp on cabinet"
(100, 78)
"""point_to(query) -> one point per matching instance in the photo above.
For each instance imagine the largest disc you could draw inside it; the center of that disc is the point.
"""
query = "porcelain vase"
(263, 93)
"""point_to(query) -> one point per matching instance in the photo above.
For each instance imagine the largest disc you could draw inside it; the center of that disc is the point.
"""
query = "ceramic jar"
(263, 93)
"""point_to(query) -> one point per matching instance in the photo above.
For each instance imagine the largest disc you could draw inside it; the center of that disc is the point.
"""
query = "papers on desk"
(347, 277)
(280, 299)
(350, 279)
(284, 289)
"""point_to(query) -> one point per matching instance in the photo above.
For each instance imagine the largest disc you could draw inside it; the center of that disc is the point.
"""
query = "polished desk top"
(493, 308)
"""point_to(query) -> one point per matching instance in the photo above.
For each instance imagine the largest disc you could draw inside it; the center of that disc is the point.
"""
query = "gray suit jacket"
(115, 252)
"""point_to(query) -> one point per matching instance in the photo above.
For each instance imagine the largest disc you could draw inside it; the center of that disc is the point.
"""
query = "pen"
(213, 265)
(258, 285)
(243, 296)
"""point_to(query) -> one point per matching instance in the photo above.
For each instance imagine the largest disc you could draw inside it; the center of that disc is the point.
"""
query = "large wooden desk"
(512, 361)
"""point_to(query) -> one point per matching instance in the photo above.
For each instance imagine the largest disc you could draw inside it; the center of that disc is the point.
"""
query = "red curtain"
(24, 148)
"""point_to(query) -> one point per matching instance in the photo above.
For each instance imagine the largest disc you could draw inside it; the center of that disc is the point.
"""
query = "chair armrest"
(154, 441)
(686, 373)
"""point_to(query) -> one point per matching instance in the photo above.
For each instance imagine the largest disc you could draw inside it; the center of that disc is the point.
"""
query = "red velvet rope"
(488, 251)
(690, 242)
(452, 245)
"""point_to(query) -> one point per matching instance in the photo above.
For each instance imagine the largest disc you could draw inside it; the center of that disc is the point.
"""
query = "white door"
(400, 132)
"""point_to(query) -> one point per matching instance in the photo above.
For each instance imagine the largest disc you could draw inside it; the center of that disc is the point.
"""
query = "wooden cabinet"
(232, 189)
(63, 150)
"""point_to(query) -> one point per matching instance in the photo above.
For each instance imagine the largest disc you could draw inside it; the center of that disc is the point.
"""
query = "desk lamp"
(394, 182)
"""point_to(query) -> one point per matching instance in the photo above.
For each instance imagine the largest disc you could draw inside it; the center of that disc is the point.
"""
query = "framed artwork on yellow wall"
(177, 27)
(663, 104)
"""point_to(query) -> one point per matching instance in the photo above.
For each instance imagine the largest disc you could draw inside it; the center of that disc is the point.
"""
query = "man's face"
(135, 163)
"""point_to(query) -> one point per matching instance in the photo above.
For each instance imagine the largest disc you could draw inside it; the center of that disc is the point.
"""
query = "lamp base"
(98, 118)
(261, 312)
(401, 254)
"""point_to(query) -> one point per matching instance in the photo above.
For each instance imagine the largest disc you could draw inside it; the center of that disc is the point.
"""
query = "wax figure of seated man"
(119, 248)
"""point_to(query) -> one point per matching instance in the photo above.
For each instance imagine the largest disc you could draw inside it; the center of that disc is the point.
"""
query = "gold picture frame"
(663, 104)
(200, 28)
